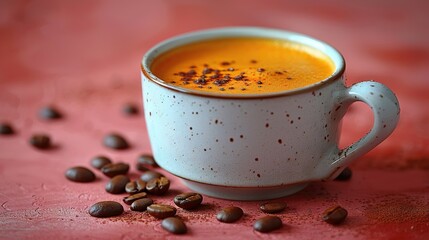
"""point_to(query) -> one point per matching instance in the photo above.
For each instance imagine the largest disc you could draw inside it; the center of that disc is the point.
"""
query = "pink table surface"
(83, 57)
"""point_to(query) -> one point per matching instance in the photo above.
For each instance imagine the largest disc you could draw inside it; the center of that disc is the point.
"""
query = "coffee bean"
(49, 113)
(230, 214)
(136, 186)
(40, 141)
(272, 207)
(141, 205)
(114, 169)
(345, 175)
(267, 224)
(130, 109)
(6, 129)
(174, 225)
(117, 184)
(106, 209)
(100, 161)
(161, 211)
(334, 215)
(145, 160)
(80, 174)
(149, 175)
(130, 199)
(115, 141)
(158, 186)
(188, 200)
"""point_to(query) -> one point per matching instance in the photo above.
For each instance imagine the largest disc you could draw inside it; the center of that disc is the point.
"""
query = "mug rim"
(225, 32)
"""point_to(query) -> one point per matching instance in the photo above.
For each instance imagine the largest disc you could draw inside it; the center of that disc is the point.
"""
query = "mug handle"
(385, 107)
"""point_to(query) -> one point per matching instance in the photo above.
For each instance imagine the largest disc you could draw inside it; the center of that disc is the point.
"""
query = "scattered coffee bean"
(334, 215)
(158, 186)
(272, 207)
(189, 200)
(161, 211)
(114, 169)
(6, 129)
(117, 184)
(80, 174)
(229, 214)
(145, 160)
(49, 113)
(149, 175)
(345, 175)
(130, 109)
(40, 141)
(106, 209)
(115, 141)
(140, 205)
(267, 224)
(136, 186)
(130, 199)
(100, 161)
(174, 225)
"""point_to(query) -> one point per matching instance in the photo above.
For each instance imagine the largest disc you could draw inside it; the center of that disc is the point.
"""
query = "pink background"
(83, 57)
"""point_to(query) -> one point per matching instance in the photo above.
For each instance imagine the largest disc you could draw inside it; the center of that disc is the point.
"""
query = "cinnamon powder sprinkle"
(217, 76)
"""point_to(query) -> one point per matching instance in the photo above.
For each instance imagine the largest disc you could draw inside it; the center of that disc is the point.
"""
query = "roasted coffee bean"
(6, 129)
(230, 214)
(40, 141)
(130, 109)
(267, 224)
(158, 186)
(174, 225)
(272, 207)
(100, 161)
(80, 174)
(106, 209)
(114, 169)
(161, 211)
(130, 199)
(345, 175)
(149, 175)
(141, 205)
(189, 200)
(141, 167)
(136, 186)
(115, 141)
(49, 112)
(334, 215)
(117, 184)
(145, 160)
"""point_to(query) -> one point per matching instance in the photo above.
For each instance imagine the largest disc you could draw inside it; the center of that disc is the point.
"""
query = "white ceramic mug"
(253, 147)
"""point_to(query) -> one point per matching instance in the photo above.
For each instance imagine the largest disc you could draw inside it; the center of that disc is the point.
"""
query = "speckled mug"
(254, 147)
